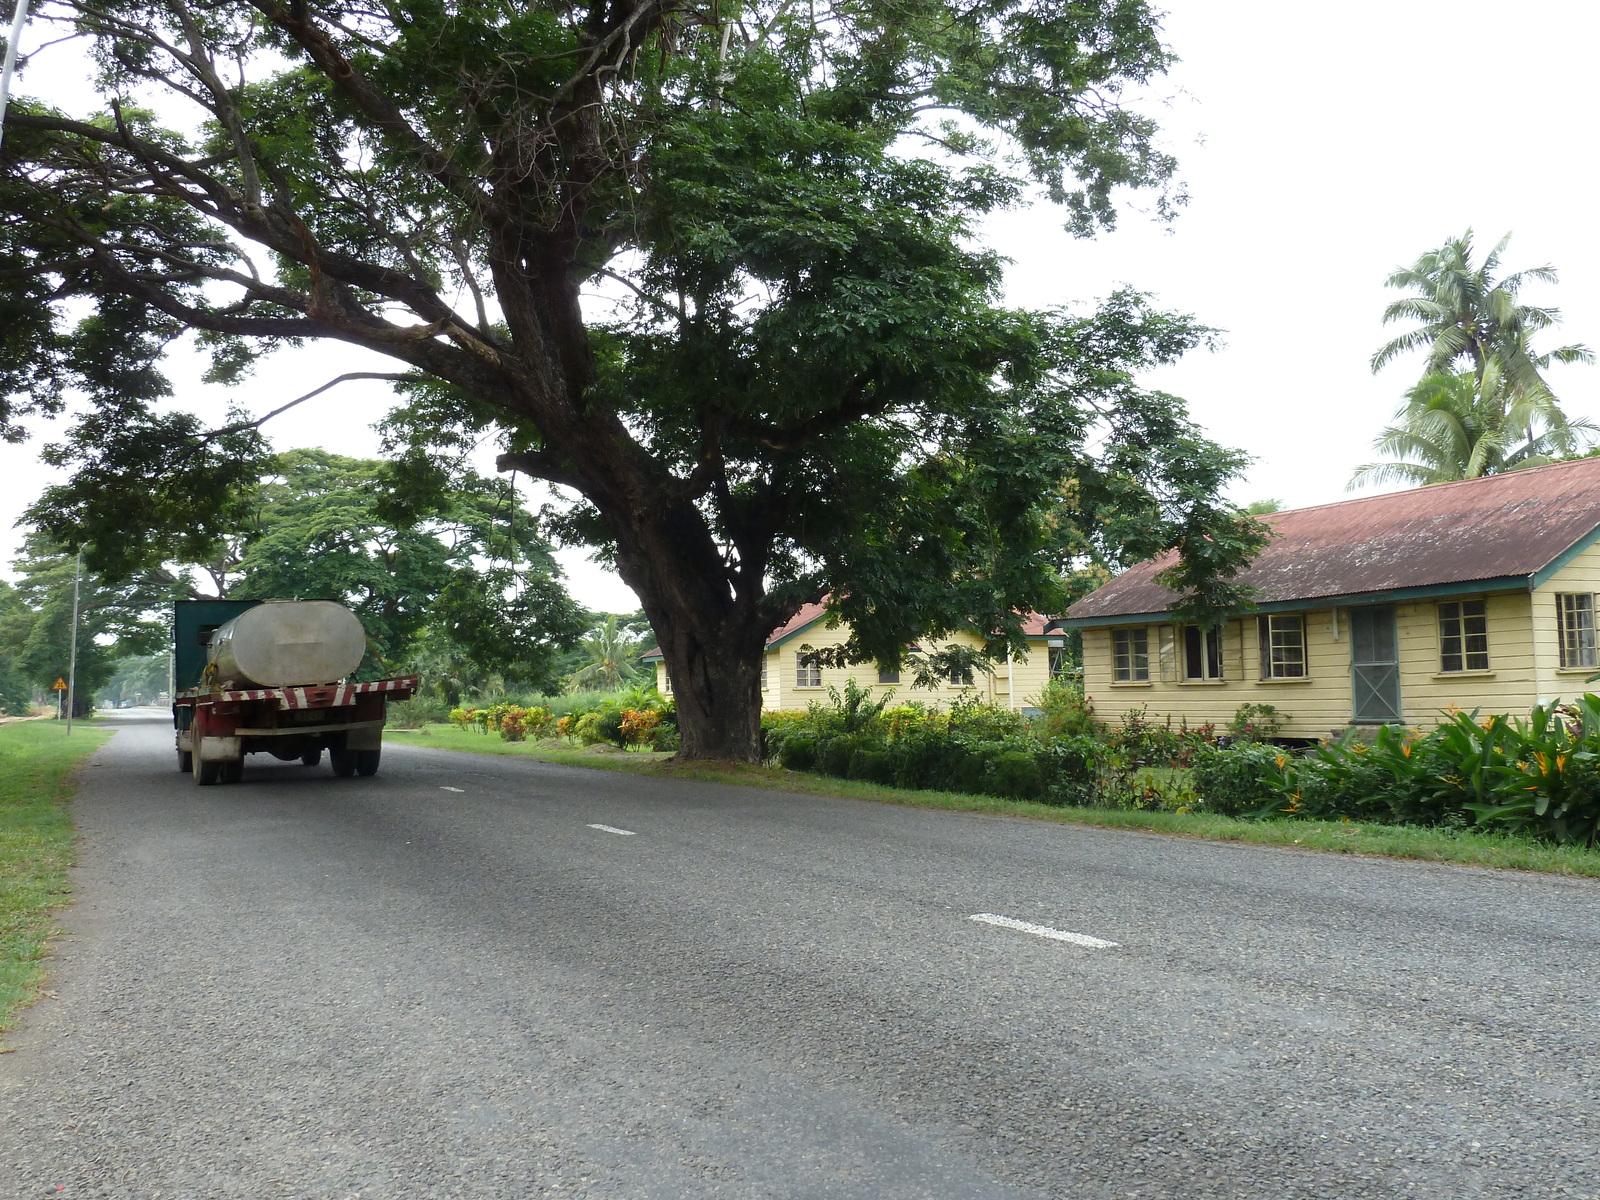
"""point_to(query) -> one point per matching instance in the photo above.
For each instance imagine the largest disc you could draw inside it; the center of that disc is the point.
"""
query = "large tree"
(116, 618)
(809, 387)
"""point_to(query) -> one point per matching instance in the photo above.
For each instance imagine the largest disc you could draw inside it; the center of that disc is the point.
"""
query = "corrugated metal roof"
(1450, 533)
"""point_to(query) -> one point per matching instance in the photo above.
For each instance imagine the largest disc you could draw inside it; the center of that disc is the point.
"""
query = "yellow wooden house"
(1386, 609)
(791, 678)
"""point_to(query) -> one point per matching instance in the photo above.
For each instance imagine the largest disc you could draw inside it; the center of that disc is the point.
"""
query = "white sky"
(1323, 146)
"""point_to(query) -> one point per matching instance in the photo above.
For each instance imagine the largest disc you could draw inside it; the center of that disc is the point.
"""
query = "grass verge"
(1340, 837)
(36, 758)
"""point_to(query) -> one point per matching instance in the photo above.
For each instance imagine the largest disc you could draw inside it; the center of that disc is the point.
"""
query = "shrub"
(1238, 779)
(587, 729)
(1146, 744)
(1065, 712)
(608, 726)
(834, 754)
(1015, 774)
(512, 726)
(639, 726)
(857, 709)
(911, 719)
(1255, 723)
(798, 751)
(875, 766)
(978, 720)
(1071, 768)
(778, 727)
(419, 710)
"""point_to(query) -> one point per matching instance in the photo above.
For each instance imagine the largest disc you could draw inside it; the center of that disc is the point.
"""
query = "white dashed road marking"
(1044, 931)
(451, 789)
(613, 829)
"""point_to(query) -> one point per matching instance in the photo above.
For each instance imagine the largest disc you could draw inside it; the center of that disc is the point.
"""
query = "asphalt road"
(446, 981)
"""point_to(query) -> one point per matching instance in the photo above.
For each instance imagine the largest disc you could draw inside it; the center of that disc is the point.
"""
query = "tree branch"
(241, 426)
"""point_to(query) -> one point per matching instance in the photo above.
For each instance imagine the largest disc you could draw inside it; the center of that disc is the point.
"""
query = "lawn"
(1340, 837)
(36, 759)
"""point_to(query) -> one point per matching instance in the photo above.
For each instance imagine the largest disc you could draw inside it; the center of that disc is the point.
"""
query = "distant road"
(494, 979)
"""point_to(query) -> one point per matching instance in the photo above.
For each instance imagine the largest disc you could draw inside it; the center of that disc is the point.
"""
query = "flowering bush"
(512, 726)
(639, 726)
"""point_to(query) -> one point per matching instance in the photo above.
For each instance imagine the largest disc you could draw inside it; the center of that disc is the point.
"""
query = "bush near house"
(1537, 777)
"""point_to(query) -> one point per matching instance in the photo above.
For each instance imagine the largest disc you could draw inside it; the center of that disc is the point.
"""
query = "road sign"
(60, 685)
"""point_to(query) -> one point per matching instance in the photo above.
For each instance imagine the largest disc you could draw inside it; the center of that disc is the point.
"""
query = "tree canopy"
(804, 383)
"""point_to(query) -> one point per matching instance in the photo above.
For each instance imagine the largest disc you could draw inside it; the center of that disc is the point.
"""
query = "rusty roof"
(1499, 528)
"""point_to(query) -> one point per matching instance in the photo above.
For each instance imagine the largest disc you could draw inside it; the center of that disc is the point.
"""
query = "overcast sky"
(1322, 145)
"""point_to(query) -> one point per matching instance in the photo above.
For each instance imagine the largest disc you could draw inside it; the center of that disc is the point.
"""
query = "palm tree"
(1462, 426)
(1468, 318)
(607, 649)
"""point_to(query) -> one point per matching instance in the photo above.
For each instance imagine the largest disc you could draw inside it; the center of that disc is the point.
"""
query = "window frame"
(807, 667)
(1456, 636)
(1208, 649)
(888, 676)
(1273, 656)
(1571, 643)
(1137, 669)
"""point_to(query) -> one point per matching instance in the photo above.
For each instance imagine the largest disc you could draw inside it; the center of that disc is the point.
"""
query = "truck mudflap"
(220, 749)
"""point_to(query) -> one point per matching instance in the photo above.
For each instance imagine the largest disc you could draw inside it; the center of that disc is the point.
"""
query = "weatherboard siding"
(1025, 676)
(1320, 704)
(1582, 574)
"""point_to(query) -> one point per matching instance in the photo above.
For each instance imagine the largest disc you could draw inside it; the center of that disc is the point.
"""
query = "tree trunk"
(716, 687)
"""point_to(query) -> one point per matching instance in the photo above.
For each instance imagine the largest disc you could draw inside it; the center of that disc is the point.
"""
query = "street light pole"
(18, 20)
(72, 658)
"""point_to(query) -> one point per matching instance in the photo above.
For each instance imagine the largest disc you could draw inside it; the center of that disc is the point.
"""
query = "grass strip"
(1424, 843)
(36, 761)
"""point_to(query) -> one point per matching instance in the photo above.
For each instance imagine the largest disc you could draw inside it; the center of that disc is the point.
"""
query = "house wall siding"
(1025, 677)
(1582, 574)
(1320, 704)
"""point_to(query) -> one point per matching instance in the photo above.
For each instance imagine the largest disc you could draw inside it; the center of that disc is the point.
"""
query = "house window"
(1130, 655)
(1464, 635)
(1202, 652)
(1575, 629)
(807, 670)
(888, 675)
(1283, 646)
(961, 677)
(763, 673)
(1060, 662)
(666, 682)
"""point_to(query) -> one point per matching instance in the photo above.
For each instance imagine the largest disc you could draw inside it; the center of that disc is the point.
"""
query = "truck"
(272, 677)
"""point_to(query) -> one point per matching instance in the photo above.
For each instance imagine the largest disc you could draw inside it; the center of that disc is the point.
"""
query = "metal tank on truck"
(269, 676)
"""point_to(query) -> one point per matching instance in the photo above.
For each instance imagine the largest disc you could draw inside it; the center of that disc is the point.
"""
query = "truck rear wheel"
(207, 773)
(343, 762)
(232, 771)
(185, 762)
(312, 757)
(367, 761)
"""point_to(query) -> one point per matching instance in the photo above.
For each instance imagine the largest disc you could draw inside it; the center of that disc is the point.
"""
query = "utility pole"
(18, 20)
(72, 658)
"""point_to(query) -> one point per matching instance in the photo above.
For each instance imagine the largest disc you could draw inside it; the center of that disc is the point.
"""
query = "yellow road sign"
(60, 685)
